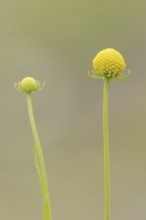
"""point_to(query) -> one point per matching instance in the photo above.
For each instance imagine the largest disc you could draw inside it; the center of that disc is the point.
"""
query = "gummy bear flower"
(108, 63)
(29, 84)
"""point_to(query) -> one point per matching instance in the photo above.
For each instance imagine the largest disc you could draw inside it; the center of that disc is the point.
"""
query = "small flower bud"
(28, 84)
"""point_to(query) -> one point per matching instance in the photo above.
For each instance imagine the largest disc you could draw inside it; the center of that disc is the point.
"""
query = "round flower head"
(28, 84)
(108, 63)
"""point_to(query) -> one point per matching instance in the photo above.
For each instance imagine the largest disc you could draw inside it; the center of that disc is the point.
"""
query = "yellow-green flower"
(28, 84)
(108, 63)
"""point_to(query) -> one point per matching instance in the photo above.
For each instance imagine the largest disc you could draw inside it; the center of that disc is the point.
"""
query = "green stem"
(106, 149)
(39, 162)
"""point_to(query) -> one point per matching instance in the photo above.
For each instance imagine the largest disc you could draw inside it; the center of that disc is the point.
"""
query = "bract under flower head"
(108, 63)
(28, 84)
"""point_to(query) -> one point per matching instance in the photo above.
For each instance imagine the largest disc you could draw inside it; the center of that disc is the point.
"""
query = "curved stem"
(106, 149)
(39, 162)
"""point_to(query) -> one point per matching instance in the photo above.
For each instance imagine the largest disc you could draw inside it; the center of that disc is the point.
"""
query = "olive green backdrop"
(55, 41)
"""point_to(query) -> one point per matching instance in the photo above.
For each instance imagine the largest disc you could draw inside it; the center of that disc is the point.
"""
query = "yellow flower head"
(108, 63)
(28, 84)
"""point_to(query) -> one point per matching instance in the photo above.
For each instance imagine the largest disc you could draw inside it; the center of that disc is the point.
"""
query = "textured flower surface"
(108, 63)
(28, 84)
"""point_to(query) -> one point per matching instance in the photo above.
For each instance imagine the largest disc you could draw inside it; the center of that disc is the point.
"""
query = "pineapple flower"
(109, 63)
(28, 84)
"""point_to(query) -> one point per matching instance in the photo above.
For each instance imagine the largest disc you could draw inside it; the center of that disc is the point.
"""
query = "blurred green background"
(55, 41)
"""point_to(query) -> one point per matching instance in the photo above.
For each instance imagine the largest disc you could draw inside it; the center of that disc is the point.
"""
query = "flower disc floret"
(108, 63)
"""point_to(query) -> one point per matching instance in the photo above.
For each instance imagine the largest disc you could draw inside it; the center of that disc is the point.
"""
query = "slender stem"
(106, 149)
(39, 162)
